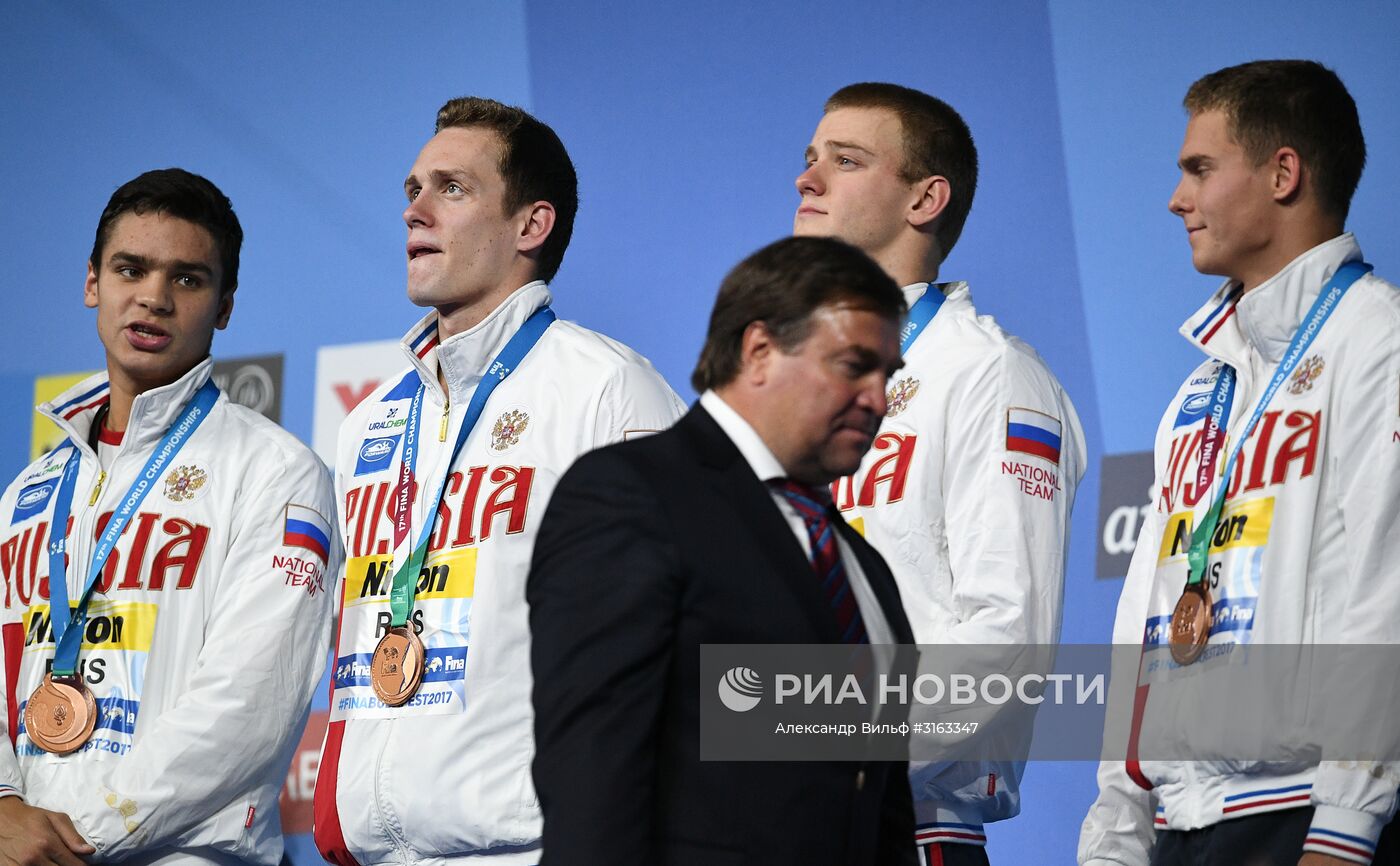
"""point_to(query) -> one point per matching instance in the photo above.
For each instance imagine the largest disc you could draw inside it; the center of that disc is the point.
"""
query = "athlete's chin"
(814, 225)
(1207, 264)
(153, 371)
(426, 295)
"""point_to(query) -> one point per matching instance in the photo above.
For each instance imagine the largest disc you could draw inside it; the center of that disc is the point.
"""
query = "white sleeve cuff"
(1344, 833)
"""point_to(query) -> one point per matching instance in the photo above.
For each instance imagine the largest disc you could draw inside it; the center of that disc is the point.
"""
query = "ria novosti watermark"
(741, 689)
(1237, 703)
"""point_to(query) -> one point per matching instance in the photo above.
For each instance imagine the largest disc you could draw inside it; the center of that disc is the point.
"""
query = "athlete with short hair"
(166, 571)
(968, 488)
(1302, 370)
(443, 474)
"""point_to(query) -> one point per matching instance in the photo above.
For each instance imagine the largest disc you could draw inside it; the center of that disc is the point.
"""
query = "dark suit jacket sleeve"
(896, 845)
(603, 599)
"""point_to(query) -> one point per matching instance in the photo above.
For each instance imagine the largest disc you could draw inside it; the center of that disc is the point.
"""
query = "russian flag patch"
(307, 529)
(1032, 432)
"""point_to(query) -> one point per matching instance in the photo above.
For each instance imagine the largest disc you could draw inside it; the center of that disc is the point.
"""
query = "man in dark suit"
(718, 531)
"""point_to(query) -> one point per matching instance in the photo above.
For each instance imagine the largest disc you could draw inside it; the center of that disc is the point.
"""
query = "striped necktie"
(814, 506)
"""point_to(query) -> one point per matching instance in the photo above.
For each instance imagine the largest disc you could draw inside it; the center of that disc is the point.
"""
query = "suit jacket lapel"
(733, 479)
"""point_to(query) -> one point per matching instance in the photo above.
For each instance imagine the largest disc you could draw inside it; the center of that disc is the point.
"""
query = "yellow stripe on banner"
(110, 626)
(1245, 524)
(445, 574)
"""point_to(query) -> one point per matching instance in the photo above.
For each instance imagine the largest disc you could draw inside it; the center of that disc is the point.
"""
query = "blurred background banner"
(687, 123)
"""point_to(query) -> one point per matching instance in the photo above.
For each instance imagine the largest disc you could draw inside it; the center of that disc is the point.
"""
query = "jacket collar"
(464, 357)
(957, 297)
(1266, 318)
(152, 412)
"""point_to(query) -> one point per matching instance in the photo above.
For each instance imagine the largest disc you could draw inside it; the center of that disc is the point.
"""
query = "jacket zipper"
(97, 491)
(79, 543)
(395, 838)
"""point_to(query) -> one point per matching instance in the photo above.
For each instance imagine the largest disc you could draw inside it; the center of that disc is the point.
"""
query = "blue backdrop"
(687, 124)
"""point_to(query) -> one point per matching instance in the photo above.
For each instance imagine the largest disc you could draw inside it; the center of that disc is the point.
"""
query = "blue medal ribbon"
(1223, 396)
(923, 311)
(68, 630)
(405, 583)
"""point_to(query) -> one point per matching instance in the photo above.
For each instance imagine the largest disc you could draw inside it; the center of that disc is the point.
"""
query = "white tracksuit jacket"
(447, 776)
(1312, 555)
(204, 643)
(972, 518)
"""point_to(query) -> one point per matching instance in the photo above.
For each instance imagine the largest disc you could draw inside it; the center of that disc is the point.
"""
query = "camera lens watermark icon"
(740, 689)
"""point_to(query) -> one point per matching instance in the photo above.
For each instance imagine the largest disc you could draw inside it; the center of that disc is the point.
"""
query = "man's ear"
(756, 350)
(1286, 174)
(538, 222)
(225, 309)
(90, 287)
(933, 194)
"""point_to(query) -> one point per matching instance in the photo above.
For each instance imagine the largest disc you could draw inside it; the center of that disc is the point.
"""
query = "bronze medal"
(60, 715)
(396, 668)
(1190, 626)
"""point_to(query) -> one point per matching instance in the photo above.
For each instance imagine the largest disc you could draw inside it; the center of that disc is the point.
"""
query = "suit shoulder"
(647, 456)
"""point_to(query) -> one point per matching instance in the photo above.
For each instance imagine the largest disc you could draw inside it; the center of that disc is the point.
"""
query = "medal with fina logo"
(397, 667)
(1191, 618)
(61, 714)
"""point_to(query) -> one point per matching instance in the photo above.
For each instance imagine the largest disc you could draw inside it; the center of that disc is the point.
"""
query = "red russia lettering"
(183, 548)
(890, 469)
(136, 558)
(19, 562)
(181, 552)
(1268, 458)
(177, 534)
(517, 482)
(468, 505)
(471, 502)
(363, 508)
(1302, 445)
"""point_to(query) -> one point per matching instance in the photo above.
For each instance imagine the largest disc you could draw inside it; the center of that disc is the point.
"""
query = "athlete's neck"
(909, 273)
(909, 261)
(454, 319)
(119, 402)
(1286, 246)
(459, 316)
